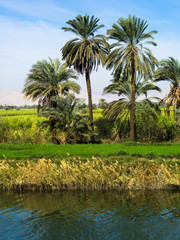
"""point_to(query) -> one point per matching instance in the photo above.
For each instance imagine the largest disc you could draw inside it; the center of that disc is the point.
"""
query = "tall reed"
(94, 174)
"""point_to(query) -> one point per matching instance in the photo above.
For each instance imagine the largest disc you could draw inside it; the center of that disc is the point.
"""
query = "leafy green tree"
(104, 127)
(130, 55)
(147, 121)
(119, 110)
(49, 78)
(169, 70)
(85, 52)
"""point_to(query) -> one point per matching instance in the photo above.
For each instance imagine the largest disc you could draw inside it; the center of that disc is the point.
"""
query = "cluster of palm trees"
(132, 64)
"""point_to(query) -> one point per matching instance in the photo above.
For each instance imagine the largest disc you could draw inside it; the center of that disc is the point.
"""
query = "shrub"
(104, 127)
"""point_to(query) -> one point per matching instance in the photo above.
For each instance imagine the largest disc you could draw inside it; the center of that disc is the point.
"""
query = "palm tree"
(86, 51)
(49, 78)
(129, 55)
(119, 110)
(169, 70)
(102, 103)
(65, 117)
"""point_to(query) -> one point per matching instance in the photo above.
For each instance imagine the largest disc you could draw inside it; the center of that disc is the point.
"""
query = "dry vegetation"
(90, 174)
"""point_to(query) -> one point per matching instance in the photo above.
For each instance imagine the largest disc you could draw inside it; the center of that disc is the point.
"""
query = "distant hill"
(11, 97)
(15, 98)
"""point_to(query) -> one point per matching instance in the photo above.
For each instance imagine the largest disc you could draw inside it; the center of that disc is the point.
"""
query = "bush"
(167, 129)
(150, 129)
(104, 127)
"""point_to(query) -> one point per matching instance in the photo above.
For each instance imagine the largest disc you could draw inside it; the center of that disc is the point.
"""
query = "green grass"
(15, 112)
(31, 151)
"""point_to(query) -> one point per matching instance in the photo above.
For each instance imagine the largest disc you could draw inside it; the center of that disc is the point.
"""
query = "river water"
(84, 215)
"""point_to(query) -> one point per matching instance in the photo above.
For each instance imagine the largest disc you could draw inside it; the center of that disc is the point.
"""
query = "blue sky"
(31, 31)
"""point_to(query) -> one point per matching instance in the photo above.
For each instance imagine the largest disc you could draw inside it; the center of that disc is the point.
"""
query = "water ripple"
(71, 216)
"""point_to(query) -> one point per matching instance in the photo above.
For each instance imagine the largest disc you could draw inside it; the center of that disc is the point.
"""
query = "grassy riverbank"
(130, 166)
(112, 173)
(32, 151)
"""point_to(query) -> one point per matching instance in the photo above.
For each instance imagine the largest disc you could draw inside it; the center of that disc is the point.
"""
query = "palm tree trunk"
(174, 113)
(53, 131)
(88, 84)
(132, 113)
(54, 138)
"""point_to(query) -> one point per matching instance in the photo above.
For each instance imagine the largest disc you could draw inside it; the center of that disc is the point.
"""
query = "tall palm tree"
(49, 78)
(119, 110)
(129, 55)
(86, 51)
(169, 70)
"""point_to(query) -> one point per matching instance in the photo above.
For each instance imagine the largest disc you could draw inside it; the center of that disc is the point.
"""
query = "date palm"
(65, 117)
(169, 70)
(85, 52)
(130, 55)
(49, 78)
(119, 110)
(102, 103)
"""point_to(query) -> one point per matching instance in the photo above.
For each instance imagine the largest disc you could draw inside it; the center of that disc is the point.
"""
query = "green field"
(16, 112)
(31, 151)
(24, 126)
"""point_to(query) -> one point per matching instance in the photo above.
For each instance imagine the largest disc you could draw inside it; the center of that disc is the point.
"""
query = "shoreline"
(94, 174)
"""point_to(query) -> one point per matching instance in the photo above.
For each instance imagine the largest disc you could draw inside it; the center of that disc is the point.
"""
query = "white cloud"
(23, 44)
(39, 9)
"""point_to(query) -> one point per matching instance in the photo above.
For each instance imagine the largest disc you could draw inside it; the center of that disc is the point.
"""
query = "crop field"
(31, 151)
(97, 113)
(16, 112)
(29, 161)
(24, 126)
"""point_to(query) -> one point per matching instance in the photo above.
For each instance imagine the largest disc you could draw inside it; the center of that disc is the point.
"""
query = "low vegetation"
(29, 161)
(17, 126)
(131, 166)
(22, 128)
(90, 174)
(31, 151)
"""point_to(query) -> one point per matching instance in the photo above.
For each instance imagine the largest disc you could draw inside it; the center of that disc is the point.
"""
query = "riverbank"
(96, 173)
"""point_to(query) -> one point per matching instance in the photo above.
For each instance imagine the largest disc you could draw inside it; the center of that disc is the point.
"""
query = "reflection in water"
(85, 215)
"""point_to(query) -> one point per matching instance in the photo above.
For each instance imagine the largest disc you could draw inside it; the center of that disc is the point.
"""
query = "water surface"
(84, 215)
